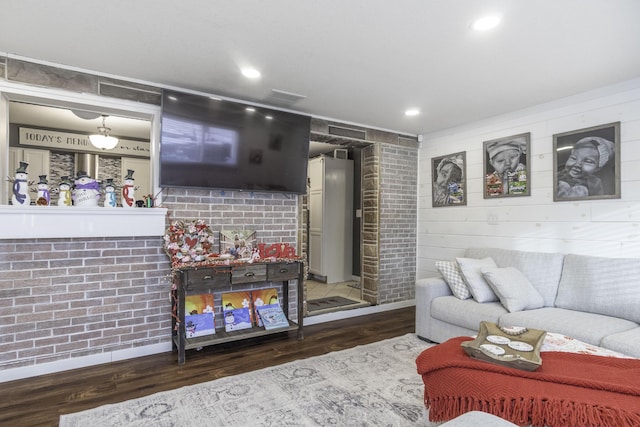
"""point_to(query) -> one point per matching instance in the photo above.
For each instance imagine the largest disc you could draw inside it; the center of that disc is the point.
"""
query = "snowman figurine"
(44, 197)
(110, 194)
(64, 192)
(86, 190)
(128, 190)
(20, 195)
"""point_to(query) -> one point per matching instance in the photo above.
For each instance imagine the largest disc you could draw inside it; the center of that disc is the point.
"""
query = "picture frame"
(449, 180)
(506, 166)
(586, 163)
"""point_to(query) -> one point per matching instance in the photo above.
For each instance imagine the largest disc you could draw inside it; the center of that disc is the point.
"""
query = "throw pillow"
(515, 291)
(451, 274)
(471, 270)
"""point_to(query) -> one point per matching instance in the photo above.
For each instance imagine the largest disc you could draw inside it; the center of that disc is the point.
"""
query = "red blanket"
(568, 390)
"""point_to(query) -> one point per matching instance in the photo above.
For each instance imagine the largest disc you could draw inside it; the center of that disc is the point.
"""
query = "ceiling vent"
(282, 98)
(347, 132)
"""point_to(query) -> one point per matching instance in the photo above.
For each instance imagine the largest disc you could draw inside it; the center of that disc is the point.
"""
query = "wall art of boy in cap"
(505, 166)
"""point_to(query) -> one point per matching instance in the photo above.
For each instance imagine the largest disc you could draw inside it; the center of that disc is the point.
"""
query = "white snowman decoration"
(44, 196)
(128, 191)
(64, 192)
(110, 194)
(86, 190)
(20, 196)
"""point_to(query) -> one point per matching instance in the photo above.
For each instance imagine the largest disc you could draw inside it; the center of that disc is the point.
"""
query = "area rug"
(370, 385)
(329, 302)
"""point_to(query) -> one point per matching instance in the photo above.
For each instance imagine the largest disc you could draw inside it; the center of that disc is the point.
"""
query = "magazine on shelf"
(272, 316)
(262, 297)
(236, 307)
(199, 319)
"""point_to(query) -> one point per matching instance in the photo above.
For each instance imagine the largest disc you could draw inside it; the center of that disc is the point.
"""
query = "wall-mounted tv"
(211, 143)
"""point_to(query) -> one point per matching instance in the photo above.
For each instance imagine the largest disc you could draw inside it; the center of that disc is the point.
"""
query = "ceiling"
(358, 61)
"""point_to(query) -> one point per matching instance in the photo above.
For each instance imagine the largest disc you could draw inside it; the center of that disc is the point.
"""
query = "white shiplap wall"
(609, 228)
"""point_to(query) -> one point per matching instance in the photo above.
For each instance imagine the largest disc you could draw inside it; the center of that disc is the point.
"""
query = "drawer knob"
(249, 274)
(207, 277)
(284, 270)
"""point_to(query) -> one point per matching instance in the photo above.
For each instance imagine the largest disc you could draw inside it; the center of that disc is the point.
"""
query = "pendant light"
(102, 139)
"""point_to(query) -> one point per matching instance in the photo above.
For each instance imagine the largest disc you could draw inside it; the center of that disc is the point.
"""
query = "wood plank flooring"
(41, 400)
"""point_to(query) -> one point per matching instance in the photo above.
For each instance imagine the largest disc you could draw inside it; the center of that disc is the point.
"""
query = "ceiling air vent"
(282, 98)
(346, 132)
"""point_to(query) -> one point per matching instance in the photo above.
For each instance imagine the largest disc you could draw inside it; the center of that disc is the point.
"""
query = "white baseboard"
(81, 362)
(347, 314)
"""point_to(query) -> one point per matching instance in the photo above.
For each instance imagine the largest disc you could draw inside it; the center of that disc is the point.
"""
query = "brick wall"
(68, 298)
(64, 298)
(398, 222)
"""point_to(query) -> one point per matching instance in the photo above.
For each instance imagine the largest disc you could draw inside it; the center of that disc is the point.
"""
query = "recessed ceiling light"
(486, 23)
(250, 73)
(412, 112)
(250, 109)
(268, 117)
(173, 98)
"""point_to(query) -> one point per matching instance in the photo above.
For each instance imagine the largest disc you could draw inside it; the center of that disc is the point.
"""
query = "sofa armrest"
(426, 291)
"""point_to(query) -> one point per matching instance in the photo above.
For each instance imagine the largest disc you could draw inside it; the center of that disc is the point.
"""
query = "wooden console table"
(217, 279)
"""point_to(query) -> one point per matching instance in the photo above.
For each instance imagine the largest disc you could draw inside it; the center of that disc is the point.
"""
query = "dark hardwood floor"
(41, 400)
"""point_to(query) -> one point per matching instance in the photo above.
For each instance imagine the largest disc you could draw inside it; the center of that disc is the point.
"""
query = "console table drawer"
(282, 271)
(206, 278)
(249, 273)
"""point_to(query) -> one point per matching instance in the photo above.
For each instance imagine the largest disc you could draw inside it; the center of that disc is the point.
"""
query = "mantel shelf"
(42, 222)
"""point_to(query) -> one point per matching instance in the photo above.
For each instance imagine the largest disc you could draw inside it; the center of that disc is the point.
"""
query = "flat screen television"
(219, 144)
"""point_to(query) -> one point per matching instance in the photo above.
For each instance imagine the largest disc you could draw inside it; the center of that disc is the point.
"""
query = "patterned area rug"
(370, 385)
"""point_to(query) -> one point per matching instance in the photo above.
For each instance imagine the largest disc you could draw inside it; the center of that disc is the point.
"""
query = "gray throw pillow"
(515, 291)
(451, 274)
(471, 271)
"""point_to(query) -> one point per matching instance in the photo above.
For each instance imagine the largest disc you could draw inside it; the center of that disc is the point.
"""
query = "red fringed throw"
(568, 390)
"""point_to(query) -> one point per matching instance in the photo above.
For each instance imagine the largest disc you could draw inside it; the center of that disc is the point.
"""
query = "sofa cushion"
(451, 274)
(627, 342)
(471, 270)
(466, 313)
(609, 286)
(542, 269)
(588, 327)
(513, 288)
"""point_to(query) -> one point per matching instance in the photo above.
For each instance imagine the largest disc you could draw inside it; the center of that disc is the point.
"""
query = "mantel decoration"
(188, 241)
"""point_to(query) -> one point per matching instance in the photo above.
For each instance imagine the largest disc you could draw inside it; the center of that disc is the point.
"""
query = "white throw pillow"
(515, 291)
(471, 270)
(451, 274)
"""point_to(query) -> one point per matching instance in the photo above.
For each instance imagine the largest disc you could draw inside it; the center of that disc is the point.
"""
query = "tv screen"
(209, 143)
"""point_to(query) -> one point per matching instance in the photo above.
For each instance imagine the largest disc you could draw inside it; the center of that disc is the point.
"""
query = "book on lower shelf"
(272, 316)
(199, 319)
(236, 308)
(262, 297)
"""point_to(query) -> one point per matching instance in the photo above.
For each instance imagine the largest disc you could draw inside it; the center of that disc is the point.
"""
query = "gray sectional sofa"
(592, 299)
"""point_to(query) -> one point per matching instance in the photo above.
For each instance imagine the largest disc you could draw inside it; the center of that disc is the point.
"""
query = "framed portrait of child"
(506, 166)
(449, 178)
(586, 163)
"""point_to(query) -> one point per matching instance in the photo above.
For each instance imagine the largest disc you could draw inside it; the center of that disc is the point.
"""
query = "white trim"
(81, 362)
(347, 314)
(46, 222)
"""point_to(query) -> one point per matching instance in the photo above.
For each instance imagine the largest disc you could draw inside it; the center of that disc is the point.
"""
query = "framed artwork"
(586, 163)
(449, 177)
(506, 166)
(238, 243)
